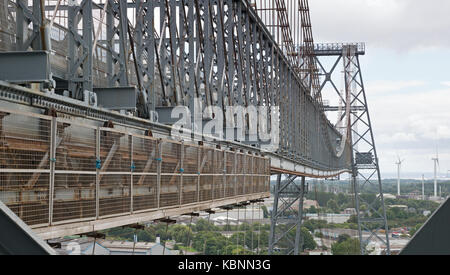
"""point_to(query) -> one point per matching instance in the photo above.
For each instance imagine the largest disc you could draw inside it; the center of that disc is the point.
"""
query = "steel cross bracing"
(168, 52)
(287, 216)
(366, 171)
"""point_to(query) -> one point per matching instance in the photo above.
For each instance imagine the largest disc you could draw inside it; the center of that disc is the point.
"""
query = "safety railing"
(337, 48)
(55, 170)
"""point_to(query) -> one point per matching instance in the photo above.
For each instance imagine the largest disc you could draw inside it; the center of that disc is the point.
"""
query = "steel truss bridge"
(87, 89)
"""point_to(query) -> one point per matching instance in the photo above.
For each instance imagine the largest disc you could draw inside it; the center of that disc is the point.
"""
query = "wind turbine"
(399, 166)
(436, 165)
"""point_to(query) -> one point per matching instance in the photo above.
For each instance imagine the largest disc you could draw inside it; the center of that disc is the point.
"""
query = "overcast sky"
(406, 74)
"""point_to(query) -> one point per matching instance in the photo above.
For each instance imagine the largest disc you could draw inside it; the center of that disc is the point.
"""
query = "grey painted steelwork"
(123, 98)
(333, 49)
(17, 238)
(25, 16)
(20, 67)
(80, 54)
(175, 50)
(434, 236)
(365, 166)
(21, 98)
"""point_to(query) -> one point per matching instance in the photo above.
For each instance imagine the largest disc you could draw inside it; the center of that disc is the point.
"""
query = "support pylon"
(286, 220)
(370, 211)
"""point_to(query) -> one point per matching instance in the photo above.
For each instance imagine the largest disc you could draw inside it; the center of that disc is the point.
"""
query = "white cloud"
(408, 115)
(397, 138)
(397, 24)
(392, 86)
(413, 125)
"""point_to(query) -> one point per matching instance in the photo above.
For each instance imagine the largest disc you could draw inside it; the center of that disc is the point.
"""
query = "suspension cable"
(245, 219)
(204, 243)
(164, 246)
(237, 230)
(188, 246)
(259, 228)
(253, 222)
(134, 241)
(227, 228)
(318, 216)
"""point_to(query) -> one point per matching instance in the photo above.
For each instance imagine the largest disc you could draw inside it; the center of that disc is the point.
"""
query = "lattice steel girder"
(25, 16)
(80, 51)
(145, 48)
(219, 51)
(284, 218)
(365, 166)
(117, 29)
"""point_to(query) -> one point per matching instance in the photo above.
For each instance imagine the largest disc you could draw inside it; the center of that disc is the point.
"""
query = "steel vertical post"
(298, 235)
(274, 214)
(53, 129)
(132, 167)
(180, 188)
(158, 171)
(97, 175)
(224, 177)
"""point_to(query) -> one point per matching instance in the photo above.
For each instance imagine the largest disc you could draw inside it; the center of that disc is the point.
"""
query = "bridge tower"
(371, 211)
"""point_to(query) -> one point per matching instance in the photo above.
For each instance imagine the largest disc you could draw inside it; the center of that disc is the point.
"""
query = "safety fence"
(55, 170)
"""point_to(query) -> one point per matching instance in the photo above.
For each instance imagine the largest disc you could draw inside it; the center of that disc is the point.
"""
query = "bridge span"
(71, 174)
(119, 112)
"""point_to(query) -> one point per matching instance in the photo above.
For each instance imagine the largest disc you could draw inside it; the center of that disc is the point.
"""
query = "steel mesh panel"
(171, 153)
(207, 161)
(145, 153)
(206, 183)
(114, 195)
(30, 204)
(248, 175)
(261, 186)
(115, 151)
(256, 165)
(230, 191)
(218, 187)
(190, 184)
(170, 185)
(257, 187)
(145, 192)
(25, 145)
(218, 178)
(240, 180)
(75, 148)
(218, 162)
(74, 197)
(258, 170)
(240, 170)
(190, 162)
(24, 142)
(231, 178)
